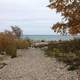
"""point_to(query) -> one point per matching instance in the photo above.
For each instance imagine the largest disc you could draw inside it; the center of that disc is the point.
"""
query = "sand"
(32, 64)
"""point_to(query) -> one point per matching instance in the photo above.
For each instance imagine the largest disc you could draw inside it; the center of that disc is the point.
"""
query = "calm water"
(47, 37)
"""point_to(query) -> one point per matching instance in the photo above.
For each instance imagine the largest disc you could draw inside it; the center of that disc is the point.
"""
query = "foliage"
(7, 44)
(70, 10)
(11, 50)
(66, 51)
(22, 44)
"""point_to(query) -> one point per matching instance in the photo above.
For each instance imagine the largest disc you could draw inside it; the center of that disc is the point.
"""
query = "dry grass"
(9, 44)
(66, 51)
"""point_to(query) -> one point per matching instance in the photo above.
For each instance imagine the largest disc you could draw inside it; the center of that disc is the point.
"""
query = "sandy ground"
(31, 64)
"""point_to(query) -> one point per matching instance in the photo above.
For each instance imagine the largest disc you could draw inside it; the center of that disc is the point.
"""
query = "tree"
(16, 31)
(70, 10)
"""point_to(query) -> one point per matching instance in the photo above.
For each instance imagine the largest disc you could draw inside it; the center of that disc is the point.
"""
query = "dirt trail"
(31, 64)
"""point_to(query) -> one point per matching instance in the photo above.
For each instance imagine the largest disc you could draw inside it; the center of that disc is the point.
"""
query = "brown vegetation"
(66, 51)
(9, 44)
(22, 44)
(70, 10)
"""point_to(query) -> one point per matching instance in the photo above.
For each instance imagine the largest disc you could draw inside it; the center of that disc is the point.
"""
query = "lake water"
(48, 37)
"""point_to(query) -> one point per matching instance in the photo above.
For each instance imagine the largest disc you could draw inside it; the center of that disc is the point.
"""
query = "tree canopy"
(70, 10)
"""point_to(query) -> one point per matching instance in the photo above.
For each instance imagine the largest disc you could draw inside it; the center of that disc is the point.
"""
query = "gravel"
(32, 64)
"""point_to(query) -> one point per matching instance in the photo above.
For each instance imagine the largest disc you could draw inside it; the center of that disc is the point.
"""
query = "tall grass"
(9, 44)
(22, 44)
(66, 51)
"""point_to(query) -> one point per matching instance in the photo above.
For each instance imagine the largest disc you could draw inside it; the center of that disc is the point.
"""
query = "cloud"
(24, 9)
(31, 13)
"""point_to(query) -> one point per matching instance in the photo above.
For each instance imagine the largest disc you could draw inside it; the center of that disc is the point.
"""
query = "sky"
(32, 16)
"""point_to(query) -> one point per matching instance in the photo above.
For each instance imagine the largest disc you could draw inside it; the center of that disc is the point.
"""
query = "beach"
(40, 40)
(32, 64)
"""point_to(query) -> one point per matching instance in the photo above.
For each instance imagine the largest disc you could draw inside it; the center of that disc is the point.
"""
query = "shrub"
(22, 44)
(66, 51)
(11, 50)
(7, 44)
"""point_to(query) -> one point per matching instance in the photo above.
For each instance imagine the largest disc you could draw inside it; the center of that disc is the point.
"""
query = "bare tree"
(16, 31)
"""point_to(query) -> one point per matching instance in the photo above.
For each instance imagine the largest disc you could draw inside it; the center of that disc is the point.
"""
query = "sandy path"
(31, 64)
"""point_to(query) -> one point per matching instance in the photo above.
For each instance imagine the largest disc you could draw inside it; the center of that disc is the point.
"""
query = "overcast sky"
(32, 16)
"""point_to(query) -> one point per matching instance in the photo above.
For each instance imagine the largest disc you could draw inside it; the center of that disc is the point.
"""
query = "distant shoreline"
(47, 37)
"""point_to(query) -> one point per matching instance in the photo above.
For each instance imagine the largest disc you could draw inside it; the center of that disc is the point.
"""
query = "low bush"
(10, 41)
(12, 51)
(66, 51)
(7, 44)
(22, 44)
